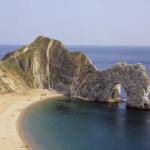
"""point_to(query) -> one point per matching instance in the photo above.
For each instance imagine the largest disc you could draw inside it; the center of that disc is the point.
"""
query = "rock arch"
(133, 78)
(46, 63)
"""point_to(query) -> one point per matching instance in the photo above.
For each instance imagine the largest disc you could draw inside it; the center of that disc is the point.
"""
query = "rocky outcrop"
(10, 81)
(46, 63)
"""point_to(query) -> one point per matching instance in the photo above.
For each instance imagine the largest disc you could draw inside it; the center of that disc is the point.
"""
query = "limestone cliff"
(46, 63)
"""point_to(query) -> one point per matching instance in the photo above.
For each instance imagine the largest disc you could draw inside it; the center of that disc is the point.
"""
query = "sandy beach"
(11, 107)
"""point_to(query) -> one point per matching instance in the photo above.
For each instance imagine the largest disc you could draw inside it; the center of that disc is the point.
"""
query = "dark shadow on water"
(64, 109)
(137, 121)
(74, 124)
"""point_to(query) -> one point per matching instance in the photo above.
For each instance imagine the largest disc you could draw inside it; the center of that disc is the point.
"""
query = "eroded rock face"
(46, 63)
(10, 82)
(134, 79)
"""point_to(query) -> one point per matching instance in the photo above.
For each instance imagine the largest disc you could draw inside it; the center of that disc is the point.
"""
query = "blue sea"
(77, 125)
(104, 56)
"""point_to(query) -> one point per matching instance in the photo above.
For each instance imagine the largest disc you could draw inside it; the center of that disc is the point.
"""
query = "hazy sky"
(101, 22)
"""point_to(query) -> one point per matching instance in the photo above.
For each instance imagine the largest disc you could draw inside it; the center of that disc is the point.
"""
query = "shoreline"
(28, 143)
(12, 107)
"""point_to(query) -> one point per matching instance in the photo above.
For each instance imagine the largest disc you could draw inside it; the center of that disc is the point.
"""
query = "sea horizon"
(103, 56)
(75, 75)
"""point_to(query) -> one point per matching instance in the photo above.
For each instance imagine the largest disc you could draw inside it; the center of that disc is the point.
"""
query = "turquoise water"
(64, 125)
(77, 125)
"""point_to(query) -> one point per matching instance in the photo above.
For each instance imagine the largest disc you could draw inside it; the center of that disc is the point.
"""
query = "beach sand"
(11, 107)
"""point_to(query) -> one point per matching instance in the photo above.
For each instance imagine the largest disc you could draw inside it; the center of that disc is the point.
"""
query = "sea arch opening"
(117, 93)
(133, 78)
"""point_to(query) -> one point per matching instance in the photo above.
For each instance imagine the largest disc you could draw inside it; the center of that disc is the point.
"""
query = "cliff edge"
(47, 64)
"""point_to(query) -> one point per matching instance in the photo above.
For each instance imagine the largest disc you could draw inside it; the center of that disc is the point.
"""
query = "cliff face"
(10, 81)
(46, 63)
